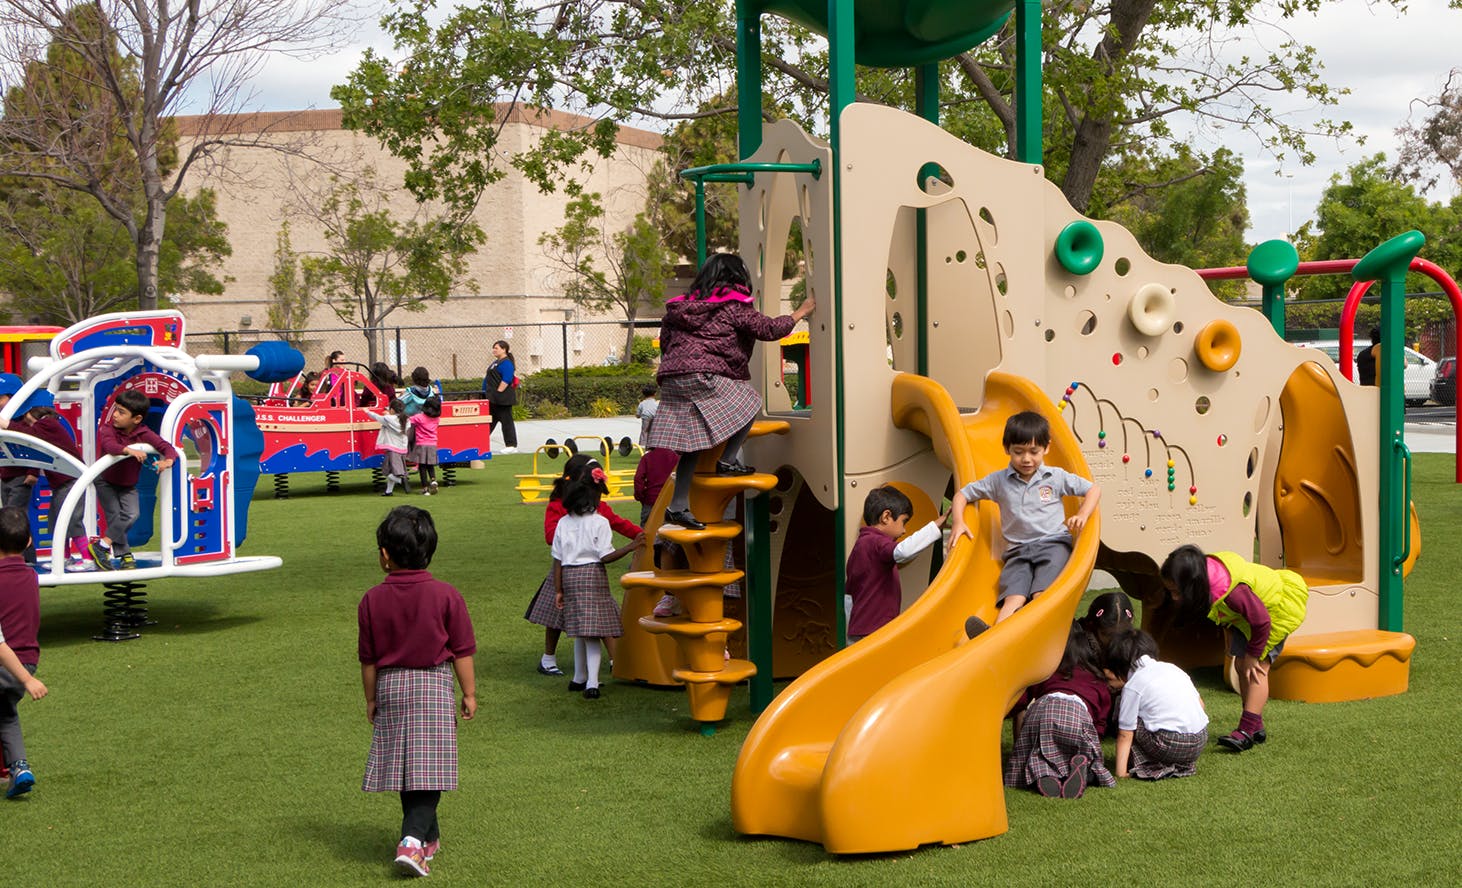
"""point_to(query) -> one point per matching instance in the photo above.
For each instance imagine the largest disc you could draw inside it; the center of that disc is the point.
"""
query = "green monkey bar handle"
(741, 172)
(1400, 559)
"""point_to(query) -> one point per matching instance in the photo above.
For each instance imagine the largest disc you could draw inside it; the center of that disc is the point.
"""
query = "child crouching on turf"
(1161, 724)
(20, 619)
(873, 565)
(582, 545)
(116, 489)
(1106, 616)
(1038, 535)
(415, 633)
(1059, 724)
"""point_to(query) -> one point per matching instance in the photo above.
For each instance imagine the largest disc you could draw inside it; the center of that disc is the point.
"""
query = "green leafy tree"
(1116, 74)
(1366, 206)
(100, 82)
(375, 263)
(289, 299)
(1196, 218)
(605, 270)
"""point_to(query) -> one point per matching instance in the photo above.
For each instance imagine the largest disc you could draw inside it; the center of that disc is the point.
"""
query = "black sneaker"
(733, 468)
(127, 562)
(1238, 741)
(548, 670)
(100, 554)
(683, 519)
(1075, 783)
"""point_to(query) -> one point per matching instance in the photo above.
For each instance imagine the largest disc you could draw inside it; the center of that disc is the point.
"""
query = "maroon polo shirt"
(873, 582)
(20, 608)
(415, 621)
(112, 441)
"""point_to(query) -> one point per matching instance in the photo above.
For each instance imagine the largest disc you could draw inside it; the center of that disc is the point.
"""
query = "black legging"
(419, 814)
(502, 415)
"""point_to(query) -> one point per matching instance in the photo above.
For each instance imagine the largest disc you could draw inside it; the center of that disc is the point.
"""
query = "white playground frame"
(73, 379)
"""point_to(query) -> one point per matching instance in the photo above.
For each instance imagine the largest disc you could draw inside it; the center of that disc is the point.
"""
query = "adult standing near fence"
(333, 372)
(500, 388)
(706, 398)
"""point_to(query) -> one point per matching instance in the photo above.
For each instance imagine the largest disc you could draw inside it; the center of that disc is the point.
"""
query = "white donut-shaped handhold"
(1151, 309)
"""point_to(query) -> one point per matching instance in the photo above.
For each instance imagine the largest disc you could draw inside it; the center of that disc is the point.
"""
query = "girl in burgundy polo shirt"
(414, 635)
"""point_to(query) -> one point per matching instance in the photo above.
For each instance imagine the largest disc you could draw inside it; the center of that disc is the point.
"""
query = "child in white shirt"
(1161, 723)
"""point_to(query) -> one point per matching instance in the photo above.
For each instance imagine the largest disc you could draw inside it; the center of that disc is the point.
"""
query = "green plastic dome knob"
(1390, 259)
(1079, 247)
(1273, 262)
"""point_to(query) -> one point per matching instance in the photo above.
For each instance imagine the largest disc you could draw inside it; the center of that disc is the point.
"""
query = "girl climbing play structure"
(968, 290)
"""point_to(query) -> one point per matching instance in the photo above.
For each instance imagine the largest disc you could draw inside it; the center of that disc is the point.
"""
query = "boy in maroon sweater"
(872, 577)
(116, 489)
(20, 620)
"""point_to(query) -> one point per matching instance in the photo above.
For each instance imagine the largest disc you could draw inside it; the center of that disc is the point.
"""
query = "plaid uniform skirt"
(700, 410)
(395, 463)
(1056, 729)
(1159, 754)
(414, 744)
(424, 454)
(589, 611)
(543, 610)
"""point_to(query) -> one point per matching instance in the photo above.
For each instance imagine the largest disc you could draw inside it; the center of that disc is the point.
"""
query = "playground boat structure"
(330, 431)
(202, 499)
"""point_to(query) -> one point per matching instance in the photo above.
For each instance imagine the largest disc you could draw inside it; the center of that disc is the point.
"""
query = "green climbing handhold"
(1079, 247)
(1390, 259)
(1273, 262)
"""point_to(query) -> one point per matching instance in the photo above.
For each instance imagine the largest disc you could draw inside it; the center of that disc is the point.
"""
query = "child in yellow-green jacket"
(1257, 606)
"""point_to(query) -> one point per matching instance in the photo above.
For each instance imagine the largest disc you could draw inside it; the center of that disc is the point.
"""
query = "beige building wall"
(259, 188)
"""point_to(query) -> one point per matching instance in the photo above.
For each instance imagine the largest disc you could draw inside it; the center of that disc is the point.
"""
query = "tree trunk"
(149, 246)
(629, 333)
(1093, 137)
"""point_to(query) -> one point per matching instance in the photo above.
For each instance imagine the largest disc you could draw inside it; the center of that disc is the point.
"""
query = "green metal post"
(926, 101)
(759, 598)
(1028, 81)
(748, 77)
(700, 222)
(1272, 264)
(1388, 264)
(842, 91)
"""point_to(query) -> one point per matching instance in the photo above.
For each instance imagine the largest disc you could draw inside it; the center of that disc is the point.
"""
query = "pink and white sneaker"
(430, 849)
(411, 860)
(667, 606)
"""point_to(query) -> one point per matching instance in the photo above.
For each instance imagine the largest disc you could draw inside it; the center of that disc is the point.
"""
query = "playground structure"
(536, 486)
(330, 432)
(203, 498)
(994, 296)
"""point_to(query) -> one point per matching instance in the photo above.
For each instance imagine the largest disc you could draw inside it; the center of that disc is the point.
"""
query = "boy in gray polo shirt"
(1037, 533)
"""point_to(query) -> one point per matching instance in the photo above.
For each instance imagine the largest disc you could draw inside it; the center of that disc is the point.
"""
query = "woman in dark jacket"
(500, 387)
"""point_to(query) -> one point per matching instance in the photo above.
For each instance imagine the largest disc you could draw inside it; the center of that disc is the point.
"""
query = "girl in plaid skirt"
(1161, 725)
(582, 545)
(543, 610)
(706, 338)
(1059, 724)
(415, 634)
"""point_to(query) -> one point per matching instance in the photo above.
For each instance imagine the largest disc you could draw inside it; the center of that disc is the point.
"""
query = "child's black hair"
(1126, 648)
(1186, 567)
(421, 376)
(382, 374)
(1107, 614)
(14, 530)
(432, 406)
(134, 402)
(885, 499)
(1081, 652)
(721, 270)
(648, 390)
(398, 407)
(408, 536)
(582, 495)
(1024, 428)
(578, 466)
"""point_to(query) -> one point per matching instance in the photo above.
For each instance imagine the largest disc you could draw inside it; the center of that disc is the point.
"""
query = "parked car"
(1419, 368)
(1444, 383)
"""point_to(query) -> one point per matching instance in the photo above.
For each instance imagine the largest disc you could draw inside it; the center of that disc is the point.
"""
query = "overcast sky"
(1384, 57)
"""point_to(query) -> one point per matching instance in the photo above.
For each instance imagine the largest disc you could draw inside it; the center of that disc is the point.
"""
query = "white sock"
(593, 655)
(581, 671)
(549, 661)
(411, 841)
(390, 483)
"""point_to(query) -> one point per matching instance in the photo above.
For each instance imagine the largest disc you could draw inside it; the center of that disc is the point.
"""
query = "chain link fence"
(550, 357)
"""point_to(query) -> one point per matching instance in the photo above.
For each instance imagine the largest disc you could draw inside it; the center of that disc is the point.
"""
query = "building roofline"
(323, 119)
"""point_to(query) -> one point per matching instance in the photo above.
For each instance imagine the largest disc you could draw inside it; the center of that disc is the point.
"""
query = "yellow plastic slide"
(894, 742)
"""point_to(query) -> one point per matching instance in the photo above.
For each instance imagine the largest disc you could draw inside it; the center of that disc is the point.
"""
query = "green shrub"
(643, 351)
(550, 410)
(586, 385)
(521, 412)
(603, 408)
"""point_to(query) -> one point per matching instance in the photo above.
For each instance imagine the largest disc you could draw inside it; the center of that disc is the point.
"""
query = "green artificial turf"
(226, 746)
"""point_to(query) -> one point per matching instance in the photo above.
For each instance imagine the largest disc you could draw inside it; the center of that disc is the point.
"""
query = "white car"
(1418, 372)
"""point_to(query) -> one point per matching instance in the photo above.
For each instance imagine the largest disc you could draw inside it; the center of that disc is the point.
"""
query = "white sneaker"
(76, 564)
(508, 450)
